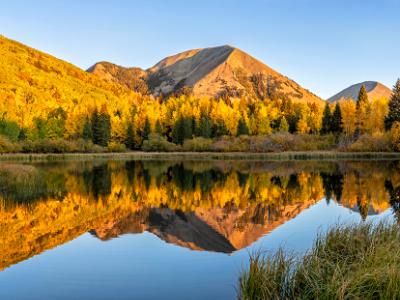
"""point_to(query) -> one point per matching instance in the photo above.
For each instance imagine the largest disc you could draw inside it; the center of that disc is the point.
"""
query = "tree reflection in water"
(215, 206)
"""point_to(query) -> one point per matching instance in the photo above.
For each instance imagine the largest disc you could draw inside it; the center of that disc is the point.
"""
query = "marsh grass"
(247, 156)
(348, 262)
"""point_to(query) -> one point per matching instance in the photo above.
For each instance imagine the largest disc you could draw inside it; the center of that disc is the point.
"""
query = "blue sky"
(323, 45)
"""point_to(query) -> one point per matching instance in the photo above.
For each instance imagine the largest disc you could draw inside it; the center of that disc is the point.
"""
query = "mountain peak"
(214, 72)
(133, 78)
(374, 89)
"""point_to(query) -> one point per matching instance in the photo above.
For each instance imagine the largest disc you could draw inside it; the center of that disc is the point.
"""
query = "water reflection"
(214, 206)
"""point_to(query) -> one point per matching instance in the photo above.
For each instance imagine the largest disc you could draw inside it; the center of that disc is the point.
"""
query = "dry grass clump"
(348, 262)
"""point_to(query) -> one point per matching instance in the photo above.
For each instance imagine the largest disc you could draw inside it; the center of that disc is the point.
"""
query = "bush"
(45, 146)
(60, 146)
(198, 144)
(371, 143)
(9, 129)
(231, 144)
(276, 142)
(157, 142)
(282, 141)
(6, 146)
(302, 142)
(116, 147)
(263, 144)
(82, 146)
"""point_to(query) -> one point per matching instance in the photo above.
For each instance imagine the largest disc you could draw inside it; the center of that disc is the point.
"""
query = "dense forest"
(47, 105)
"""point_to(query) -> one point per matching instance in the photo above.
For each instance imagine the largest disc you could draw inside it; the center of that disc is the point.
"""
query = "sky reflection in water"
(164, 229)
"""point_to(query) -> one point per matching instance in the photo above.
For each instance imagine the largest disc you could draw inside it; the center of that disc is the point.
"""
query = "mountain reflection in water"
(220, 206)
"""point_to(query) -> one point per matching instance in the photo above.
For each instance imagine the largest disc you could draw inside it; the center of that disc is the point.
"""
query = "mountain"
(132, 78)
(213, 72)
(374, 90)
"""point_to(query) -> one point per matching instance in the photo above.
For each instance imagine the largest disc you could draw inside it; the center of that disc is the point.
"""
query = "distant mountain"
(132, 78)
(213, 72)
(374, 90)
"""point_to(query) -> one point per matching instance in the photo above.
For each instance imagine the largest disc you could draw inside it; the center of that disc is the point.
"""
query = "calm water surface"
(170, 230)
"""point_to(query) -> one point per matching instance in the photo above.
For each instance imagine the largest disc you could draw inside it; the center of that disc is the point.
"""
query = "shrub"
(371, 143)
(83, 146)
(263, 144)
(231, 144)
(46, 146)
(198, 144)
(60, 146)
(116, 147)
(9, 129)
(6, 146)
(157, 142)
(302, 142)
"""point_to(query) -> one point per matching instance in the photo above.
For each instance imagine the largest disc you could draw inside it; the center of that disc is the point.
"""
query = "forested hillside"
(43, 94)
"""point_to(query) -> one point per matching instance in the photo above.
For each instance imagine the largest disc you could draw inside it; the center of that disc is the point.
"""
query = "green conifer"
(337, 121)
(104, 127)
(205, 127)
(362, 109)
(283, 125)
(394, 107)
(146, 129)
(326, 120)
(178, 131)
(94, 120)
(130, 137)
(158, 128)
(242, 128)
(87, 133)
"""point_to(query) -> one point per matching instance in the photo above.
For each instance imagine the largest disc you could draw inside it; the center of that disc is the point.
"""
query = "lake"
(106, 229)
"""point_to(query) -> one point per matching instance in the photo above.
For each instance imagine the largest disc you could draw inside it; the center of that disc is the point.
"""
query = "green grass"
(348, 262)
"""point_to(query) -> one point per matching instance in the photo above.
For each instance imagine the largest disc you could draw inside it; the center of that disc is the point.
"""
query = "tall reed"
(359, 261)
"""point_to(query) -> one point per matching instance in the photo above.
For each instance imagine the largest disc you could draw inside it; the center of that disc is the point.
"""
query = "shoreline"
(205, 156)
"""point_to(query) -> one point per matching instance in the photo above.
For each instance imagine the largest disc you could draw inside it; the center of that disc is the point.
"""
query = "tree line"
(180, 118)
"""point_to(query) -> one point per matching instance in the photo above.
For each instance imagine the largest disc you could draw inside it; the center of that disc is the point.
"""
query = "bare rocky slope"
(374, 90)
(213, 72)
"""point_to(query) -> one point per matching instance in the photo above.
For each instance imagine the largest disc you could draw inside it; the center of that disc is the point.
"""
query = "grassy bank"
(281, 156)
(348, 262)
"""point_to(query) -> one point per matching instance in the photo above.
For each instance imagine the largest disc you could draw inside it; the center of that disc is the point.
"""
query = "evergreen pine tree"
(394, 107)
(205, 127)
(158, 128)
(130, 137)
(337, 121)
(283, 125)
(22, 135)
(94, 120)
(187, 128)
(87, 133)
(326, 120)
(104, 127)
(146, 129)
(242, 128)
(362, 108)
(178, 131)
(362, 97)
(220, 129)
